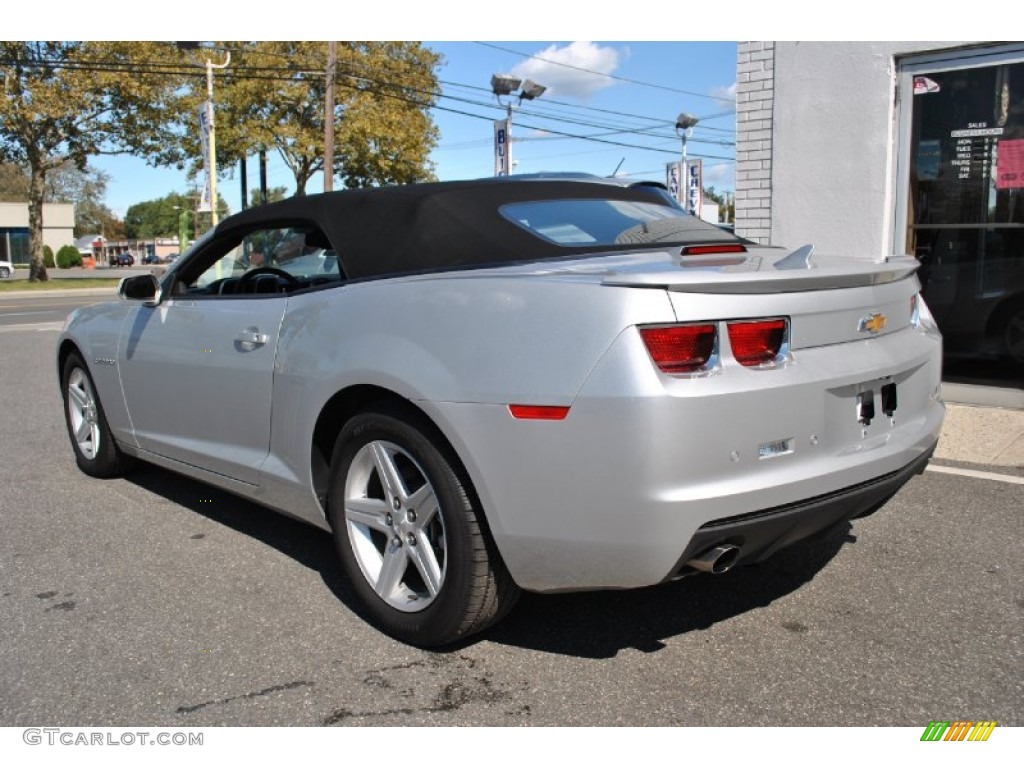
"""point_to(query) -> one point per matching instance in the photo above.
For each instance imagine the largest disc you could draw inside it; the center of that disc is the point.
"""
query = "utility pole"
(213, 133)
(332, 62)
(263, 175)
(245, 183)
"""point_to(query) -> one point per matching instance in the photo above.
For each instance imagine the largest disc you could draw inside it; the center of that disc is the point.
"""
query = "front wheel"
(95, 450)
(409, 535)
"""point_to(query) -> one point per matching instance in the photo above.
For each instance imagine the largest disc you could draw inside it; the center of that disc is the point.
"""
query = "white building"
(58, 229)
(871, 149)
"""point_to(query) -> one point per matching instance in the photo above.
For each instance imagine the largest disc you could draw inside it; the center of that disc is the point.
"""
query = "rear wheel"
(95, 450)
(409, 534)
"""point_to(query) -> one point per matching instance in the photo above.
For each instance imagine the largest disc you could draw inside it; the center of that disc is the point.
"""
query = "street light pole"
(684, 129)
(504, 85)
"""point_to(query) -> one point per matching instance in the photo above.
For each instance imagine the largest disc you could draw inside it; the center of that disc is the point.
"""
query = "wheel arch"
(352, 400)
(66, 348)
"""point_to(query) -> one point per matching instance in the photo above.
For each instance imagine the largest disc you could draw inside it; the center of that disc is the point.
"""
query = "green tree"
(272, 96)
(86, 188)
(726, 207)
(156, 218)
(68, 101)
(68, 256)
(159, 218)
(274, 194)
(13, 183)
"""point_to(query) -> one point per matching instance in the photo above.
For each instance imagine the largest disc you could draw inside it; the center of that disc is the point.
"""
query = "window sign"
(1010, 164)
(965, 212)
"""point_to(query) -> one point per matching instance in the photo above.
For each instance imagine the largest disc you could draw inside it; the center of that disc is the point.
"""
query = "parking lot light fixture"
(531, 90)
(503, 85)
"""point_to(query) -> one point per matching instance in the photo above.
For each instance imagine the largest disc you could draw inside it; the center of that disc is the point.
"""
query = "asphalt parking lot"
(157, 600)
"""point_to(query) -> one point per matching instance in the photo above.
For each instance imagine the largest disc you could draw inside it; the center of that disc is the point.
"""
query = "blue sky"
(623, 92)
(705, 70)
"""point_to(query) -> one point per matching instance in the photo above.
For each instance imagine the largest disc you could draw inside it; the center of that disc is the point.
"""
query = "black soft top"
(445, 225)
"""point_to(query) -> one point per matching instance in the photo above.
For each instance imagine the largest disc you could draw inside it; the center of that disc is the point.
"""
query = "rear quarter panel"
(467, 338)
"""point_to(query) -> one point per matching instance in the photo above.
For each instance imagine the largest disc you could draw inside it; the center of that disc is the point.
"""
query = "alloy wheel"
(83, 413)
(395, 527)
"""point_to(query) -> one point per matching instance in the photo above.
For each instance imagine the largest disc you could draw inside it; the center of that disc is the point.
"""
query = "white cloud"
(719, 176)
(549, 69)
(726, 95)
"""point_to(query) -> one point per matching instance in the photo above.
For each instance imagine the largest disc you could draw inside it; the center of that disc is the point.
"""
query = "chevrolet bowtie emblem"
(873, 323)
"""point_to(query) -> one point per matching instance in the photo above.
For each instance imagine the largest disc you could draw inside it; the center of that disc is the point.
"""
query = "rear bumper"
(615, 494)
(760, 534)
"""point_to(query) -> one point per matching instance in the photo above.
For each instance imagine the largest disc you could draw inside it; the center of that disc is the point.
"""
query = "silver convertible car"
(513, 384)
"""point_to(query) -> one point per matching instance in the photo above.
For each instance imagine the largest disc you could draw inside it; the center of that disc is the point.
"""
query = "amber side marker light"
(541, 412)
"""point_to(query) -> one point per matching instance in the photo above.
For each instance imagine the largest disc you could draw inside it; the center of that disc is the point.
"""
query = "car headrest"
(317, 239)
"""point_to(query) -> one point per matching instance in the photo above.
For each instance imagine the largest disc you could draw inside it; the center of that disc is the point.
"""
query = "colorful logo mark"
(873, 323)
(959, 730)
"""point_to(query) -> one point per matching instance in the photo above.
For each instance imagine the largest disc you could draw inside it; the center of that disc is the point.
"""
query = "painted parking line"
(975, 473)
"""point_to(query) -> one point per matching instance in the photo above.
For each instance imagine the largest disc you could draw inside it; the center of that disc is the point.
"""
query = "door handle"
(251, 338)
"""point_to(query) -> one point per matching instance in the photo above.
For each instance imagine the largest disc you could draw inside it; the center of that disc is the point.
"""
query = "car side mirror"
(144, 288)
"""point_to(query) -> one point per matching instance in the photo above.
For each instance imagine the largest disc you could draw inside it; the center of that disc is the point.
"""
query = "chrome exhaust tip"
(717, 559)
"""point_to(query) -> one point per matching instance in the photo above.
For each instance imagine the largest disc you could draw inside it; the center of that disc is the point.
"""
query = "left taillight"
(681, 348)
(758, 342)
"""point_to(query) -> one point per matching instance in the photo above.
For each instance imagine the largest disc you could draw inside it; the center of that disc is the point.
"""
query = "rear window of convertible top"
(611, 222)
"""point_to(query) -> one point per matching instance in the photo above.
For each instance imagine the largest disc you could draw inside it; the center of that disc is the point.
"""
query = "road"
(156, 600)
(41, 309)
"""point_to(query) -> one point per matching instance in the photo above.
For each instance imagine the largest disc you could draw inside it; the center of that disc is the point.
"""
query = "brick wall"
(755, 98)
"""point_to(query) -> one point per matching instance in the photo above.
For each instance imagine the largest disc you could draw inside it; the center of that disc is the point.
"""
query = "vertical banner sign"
(502, 155)
(674, 181)
(694, 187)
(205, 121)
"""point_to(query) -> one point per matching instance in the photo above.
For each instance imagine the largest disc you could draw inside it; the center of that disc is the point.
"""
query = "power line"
(275, 74)
(603, 74)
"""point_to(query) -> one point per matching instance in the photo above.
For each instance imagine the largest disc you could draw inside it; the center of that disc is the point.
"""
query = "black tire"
(472, 587)
(96, 454)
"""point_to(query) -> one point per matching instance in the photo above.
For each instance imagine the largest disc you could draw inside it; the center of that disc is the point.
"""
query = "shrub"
(48, 257)
(68, 256)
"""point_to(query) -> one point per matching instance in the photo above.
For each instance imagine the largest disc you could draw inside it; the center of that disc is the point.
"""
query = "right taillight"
(757, 342)
(681, 348)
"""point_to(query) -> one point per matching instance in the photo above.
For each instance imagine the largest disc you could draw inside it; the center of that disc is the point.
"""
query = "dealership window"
(964, 206)
(14, 246)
